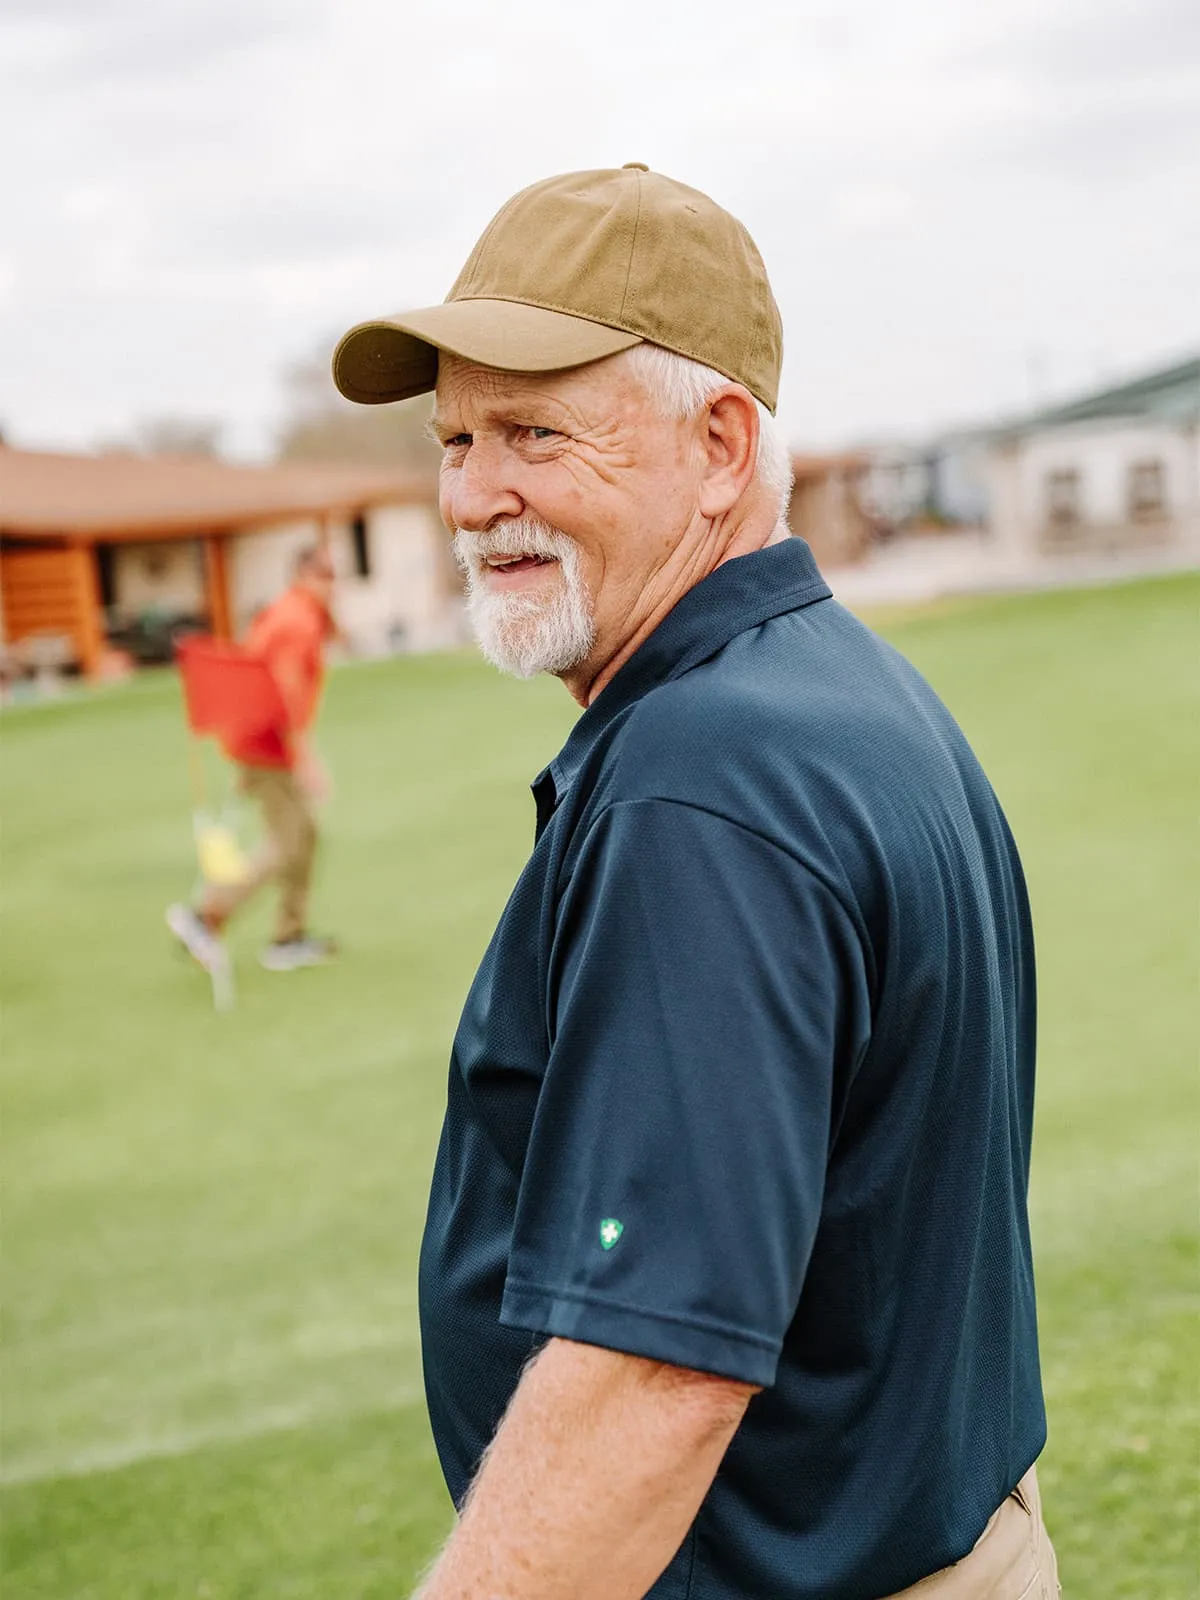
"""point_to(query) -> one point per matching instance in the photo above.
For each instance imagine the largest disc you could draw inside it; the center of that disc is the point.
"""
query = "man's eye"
(542, 433)
(456, 440)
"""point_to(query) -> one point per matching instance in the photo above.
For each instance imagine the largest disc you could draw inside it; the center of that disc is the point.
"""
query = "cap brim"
(397, 357)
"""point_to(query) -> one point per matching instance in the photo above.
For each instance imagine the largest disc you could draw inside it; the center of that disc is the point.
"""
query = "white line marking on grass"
(154, 1447)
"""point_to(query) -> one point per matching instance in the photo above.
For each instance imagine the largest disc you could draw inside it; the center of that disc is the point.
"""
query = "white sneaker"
(286, 955)
(206, 949)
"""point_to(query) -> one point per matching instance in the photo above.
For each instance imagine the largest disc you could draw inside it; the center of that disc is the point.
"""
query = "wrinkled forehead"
(465, 387)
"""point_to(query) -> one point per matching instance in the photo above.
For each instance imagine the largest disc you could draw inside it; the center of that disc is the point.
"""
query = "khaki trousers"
(1013, 1558)
(286, 856)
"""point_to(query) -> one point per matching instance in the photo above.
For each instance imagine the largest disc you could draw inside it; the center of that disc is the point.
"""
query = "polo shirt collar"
(737, 596)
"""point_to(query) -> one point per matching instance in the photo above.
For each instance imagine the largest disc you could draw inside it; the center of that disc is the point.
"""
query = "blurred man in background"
(281, 771)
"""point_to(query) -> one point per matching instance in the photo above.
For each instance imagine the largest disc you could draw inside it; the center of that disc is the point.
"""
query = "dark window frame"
(1063, 488)
(106, 574)
(1143, 506)
(360, 545)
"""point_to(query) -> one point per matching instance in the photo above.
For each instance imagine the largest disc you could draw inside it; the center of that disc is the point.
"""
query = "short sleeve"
(703, 986)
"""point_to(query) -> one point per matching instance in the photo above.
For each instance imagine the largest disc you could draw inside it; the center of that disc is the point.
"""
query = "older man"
(726, 1286)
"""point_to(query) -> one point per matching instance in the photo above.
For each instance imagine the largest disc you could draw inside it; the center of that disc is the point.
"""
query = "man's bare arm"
(592, 1480)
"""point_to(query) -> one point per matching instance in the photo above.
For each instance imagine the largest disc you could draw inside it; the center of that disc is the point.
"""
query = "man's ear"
(730, 444)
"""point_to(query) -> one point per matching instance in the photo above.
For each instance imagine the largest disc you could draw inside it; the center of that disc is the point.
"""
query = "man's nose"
(479, 490)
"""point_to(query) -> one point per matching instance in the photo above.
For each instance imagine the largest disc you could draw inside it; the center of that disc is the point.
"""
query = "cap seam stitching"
(481, 243)
(637, 223)
(539, 305)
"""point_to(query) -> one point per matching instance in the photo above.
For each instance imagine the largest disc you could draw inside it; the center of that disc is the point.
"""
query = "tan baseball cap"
(579, 267)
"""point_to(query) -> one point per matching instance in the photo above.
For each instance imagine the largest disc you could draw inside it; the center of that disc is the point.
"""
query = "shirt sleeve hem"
(726, 1353)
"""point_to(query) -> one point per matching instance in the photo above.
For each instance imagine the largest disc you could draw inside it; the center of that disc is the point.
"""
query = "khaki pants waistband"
(1013, 1558)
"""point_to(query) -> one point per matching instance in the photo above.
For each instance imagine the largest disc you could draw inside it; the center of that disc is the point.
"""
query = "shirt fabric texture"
(744, 1083)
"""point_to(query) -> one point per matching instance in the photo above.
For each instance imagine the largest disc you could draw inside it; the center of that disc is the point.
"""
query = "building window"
(1062, 498)
(1147, 490)
(361, 545)
(106, 575)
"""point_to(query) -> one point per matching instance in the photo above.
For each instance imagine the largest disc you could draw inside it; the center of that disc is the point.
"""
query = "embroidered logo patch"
(610, 1231)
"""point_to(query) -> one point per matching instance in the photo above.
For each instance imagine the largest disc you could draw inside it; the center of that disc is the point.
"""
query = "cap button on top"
(635, 166)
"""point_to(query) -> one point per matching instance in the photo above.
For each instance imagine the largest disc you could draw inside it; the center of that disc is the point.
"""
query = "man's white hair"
(678, 387)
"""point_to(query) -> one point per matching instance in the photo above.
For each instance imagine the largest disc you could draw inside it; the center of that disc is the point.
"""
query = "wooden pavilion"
(62, 516)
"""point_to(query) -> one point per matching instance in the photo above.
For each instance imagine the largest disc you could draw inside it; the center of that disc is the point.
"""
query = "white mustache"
(523, 536)
(541, 628)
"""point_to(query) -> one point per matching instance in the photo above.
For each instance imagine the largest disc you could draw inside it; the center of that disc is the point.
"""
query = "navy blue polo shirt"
(744, 1083)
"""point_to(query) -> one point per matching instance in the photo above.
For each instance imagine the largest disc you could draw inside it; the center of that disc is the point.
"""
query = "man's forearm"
(592, 1481)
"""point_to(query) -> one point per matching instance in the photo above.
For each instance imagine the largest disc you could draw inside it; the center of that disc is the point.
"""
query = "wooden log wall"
(53, 591)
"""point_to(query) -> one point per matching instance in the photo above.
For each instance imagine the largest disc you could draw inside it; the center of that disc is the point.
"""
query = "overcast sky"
(961, 206)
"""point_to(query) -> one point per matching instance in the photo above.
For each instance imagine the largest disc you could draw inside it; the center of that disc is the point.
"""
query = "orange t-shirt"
(289, 637)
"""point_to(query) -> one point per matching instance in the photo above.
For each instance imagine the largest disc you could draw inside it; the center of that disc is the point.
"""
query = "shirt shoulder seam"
(808, 867)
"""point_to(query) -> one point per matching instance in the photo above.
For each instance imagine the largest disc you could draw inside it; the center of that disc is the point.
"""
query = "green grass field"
(211, 1378)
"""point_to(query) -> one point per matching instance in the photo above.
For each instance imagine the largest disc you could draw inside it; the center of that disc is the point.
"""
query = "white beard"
(548, 629)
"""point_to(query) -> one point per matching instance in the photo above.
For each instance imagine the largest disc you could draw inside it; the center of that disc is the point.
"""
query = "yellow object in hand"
(221, 857)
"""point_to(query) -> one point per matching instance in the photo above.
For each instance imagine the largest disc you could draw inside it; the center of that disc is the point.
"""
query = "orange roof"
(125, 497)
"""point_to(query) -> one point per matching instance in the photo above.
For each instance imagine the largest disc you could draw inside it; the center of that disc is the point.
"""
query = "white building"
(1113, 473)
(397, 588)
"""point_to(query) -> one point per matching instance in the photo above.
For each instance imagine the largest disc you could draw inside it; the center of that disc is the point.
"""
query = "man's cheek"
(446, 496)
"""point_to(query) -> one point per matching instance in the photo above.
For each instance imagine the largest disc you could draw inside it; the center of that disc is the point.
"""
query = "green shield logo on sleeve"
(610, 1231)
